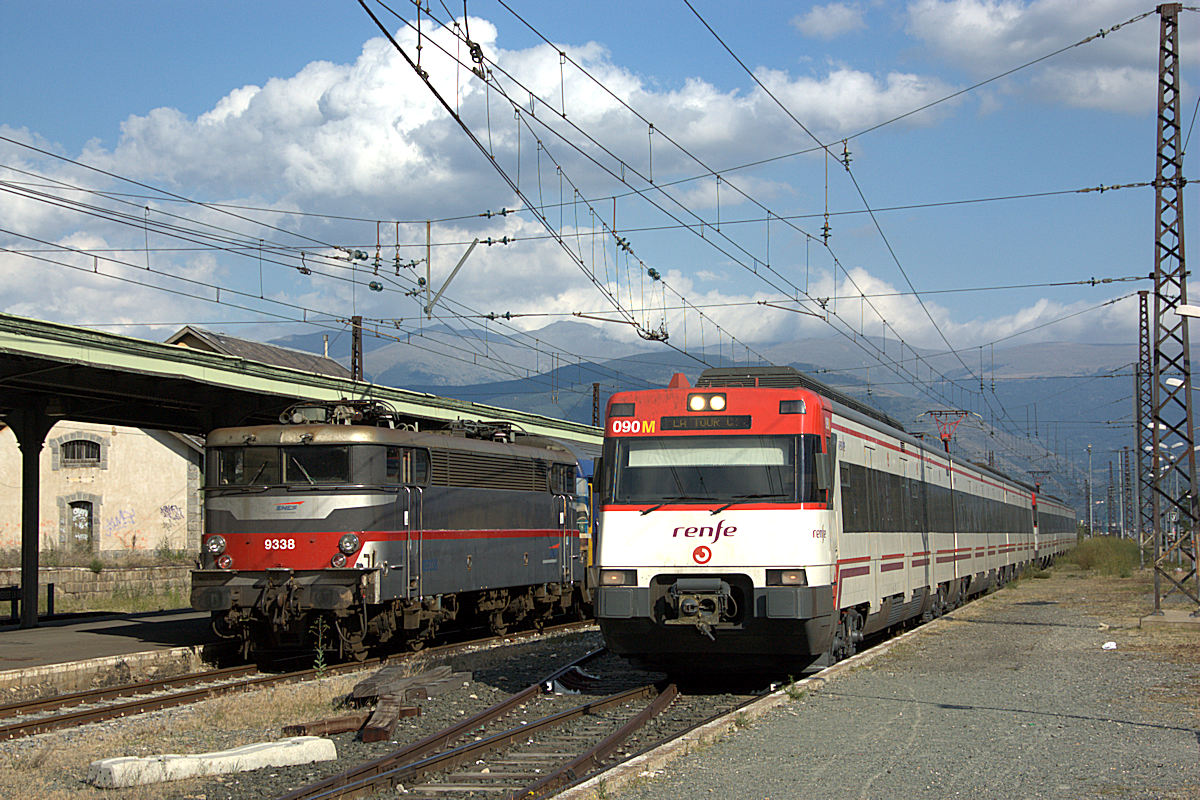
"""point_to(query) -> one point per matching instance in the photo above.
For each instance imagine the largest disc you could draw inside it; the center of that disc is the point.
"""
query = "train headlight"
(618, 577)
(215, 545)
(349, 543)
(786, 577)
(338, 560)
(225, 561)
(706, 402)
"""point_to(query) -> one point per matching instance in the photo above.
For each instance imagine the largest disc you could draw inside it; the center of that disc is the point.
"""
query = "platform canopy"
(91, 376)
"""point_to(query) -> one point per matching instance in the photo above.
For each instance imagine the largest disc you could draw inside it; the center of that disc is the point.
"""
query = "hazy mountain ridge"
(1041, 391)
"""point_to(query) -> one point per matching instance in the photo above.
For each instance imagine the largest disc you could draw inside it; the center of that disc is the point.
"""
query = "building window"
(80, 453)
(81, 526)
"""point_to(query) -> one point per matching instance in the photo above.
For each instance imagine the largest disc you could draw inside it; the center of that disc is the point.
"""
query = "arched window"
(82, 525)
(80, 453)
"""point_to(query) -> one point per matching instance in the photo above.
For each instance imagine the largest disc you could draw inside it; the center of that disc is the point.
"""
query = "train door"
(923, 523)
(412, 503)
(955, 521)
(563, 504)
(408, 472)
(835, 499)
(562, 484)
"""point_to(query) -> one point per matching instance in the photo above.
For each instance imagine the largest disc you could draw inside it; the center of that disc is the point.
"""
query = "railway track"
(80, 708)
(502, 752)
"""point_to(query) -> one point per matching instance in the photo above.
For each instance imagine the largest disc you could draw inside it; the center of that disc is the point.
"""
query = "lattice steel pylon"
(1143, 410)
(1173, 454)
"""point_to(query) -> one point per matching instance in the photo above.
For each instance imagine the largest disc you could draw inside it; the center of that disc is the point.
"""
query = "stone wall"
(81, 582)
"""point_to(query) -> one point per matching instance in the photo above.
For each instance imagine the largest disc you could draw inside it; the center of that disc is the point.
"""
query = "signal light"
(338, 560)
(225, 561)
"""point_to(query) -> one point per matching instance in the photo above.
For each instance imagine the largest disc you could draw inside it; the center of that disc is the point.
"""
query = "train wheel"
(853, 623)
(845, 636)
(356, 649)
(497, 624)
(939, 602)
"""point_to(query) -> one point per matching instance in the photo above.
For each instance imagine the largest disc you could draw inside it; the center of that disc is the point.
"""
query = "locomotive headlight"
(225, 561)
(338, 560)
(786, 577)
(618, 577)
(717, 402)
(696, 402)
(349, 543)
(215, 545)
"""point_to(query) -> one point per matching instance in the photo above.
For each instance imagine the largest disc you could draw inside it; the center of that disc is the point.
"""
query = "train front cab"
(715, 537)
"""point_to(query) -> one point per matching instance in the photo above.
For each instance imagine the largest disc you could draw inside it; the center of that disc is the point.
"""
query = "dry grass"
(53, 766)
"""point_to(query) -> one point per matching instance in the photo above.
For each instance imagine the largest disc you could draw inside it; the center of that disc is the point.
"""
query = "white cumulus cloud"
(830, 21)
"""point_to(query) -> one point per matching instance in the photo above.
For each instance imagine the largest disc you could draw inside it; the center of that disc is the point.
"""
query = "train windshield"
(701, 469)
(272, 466)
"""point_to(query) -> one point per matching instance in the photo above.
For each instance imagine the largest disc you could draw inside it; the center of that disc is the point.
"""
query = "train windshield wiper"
(738, 497)
(675, 499)
(300, 467)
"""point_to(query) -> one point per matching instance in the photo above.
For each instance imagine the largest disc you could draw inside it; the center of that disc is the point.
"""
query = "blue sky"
(301, 106)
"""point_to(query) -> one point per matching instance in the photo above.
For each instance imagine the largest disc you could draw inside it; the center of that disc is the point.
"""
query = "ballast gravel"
(1004, 698)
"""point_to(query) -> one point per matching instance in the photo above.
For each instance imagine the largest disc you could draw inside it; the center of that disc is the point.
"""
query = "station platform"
(75, 651)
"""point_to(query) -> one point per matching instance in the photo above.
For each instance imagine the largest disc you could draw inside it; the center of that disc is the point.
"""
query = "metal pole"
(1089, 491)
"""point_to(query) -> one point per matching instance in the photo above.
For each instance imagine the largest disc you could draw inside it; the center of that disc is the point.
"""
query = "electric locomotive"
(345, 526)
(762, 520)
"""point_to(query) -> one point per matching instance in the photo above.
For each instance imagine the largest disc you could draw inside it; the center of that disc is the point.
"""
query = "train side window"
(418, 467)
(408, 465)
(562, 479)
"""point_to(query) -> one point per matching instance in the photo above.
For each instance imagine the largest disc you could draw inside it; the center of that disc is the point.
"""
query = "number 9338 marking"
(281, 544)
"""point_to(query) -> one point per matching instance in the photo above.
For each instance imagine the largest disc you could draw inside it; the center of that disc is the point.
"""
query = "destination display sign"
(727, 422)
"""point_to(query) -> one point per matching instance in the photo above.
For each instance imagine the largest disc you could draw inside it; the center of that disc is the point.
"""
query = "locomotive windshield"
(701, 469)
(270, 466)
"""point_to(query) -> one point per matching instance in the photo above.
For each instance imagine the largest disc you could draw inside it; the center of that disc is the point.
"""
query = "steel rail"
(467, 752)
(439, 740)
(124, 690)
(21, 729)
(591, 759)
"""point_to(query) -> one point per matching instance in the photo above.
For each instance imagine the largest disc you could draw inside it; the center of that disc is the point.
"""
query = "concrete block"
(114, 773)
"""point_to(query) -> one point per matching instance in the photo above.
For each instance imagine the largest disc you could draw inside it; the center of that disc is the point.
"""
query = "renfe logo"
(705, 532)
(293, 506)
(633, 426)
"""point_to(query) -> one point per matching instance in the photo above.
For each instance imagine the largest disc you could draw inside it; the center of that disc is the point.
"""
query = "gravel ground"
(1009, 697)
(54, 765)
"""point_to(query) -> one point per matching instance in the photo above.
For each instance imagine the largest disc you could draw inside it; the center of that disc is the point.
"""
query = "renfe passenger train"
(345, 526)
(763, 520)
